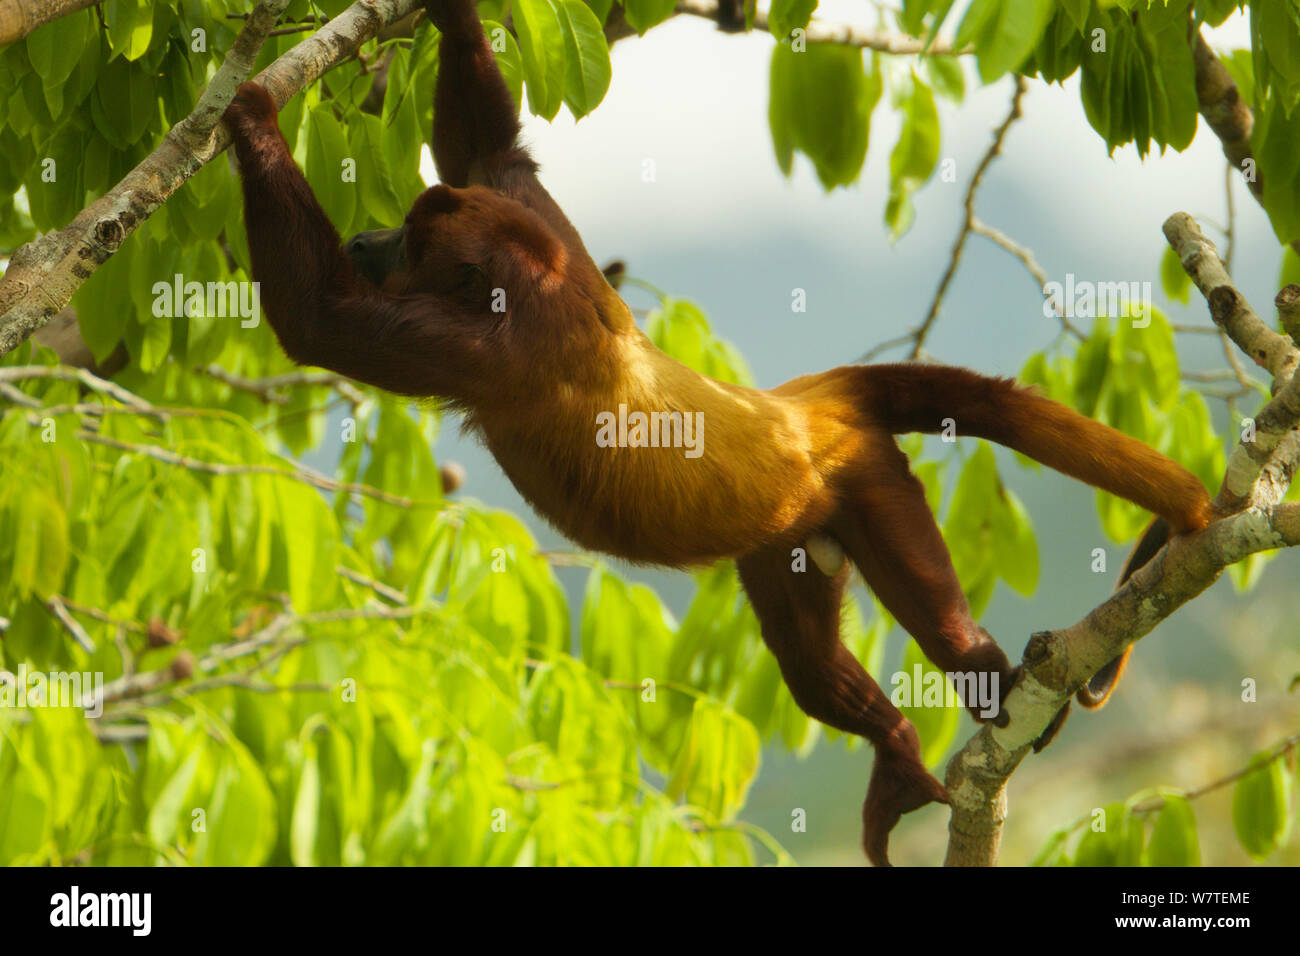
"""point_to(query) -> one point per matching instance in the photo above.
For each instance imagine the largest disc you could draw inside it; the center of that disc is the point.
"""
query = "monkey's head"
(473, 245)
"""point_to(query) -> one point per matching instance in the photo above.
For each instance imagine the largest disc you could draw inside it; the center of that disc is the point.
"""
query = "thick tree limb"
(44, 273)
(20, 17)
(1057, 663)
(1227, 114)
(1273, 450)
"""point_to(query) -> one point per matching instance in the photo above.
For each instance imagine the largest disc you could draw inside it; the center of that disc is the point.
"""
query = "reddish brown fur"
(814, 456)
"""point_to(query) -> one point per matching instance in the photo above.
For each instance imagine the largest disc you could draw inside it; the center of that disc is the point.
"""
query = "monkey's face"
(379, 253)
(474, 246)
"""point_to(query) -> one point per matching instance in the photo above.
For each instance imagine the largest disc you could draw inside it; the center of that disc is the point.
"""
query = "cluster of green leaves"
(95, 102)
(561, 52)
(1138, 78)
(1120, 836)
(820, 104)
(1274, 80)
(1143, 90)
(1137, 84)
(1130, 834)
(462, 733)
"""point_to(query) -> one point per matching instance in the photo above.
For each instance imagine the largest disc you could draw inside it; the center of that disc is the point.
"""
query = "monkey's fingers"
(253, 105)
(455, 18)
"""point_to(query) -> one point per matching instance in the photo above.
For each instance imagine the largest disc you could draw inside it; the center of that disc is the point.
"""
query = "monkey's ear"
(533, 248)
(615, 271)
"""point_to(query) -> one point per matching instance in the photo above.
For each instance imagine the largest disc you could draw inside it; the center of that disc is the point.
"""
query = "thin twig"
(303, 474)
(101, 616)
(70, 624)
(917, 335)
(1026, 255)
(379, 587)
(818, 31)
(68, 373)
(269, 388)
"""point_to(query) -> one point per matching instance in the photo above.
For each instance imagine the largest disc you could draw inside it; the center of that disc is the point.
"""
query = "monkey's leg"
(799, 613)
(885, 525)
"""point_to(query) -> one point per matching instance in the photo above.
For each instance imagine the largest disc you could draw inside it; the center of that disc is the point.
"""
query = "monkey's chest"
(664, 502)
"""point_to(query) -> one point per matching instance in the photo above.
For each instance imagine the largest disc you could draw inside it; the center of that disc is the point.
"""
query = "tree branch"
(969, 223)
(819, 31)
(18, 18)
(44, 273)
(1057, 663)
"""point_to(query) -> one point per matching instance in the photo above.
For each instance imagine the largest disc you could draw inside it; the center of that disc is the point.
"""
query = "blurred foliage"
(1157, 826)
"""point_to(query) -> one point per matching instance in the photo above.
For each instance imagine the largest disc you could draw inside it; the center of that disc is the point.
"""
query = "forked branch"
(1057, 663)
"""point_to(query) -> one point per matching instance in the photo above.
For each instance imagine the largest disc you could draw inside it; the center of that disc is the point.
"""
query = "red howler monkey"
(411, 310)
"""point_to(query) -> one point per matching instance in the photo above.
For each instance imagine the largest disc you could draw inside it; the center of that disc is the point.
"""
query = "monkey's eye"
(472, 284)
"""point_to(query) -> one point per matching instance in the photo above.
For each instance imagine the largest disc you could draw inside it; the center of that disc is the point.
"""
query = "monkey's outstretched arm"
(318, 306)
(476, 121)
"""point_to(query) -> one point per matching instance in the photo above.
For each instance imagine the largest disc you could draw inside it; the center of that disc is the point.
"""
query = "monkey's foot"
(899, 784)
(985, 660)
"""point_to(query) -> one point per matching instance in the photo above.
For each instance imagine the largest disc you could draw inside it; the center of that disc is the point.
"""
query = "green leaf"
(914, 156)
(130, 26)
(327, 149)
(1120, 844)
(643, 14)
(1015, 548)
(127, 96)
(1173, 277)
(26, 806)
(1276, 140)
(968, 524)
(55, 49)
(241, 819)
(542, 46)
(1092, 367)
(1261, 807)
(1289, 273)
(166, 809)
(1053, 851)
(1241, 68)
(39, 532)
(1077, 10)
(1173, 837)
(406, 831)
(381, 197)
(148, 341)
(717, 761)
(680, 329)
(510, 60)
(587, 71)
(935, 721)
(1003, 32)
(821, 103)
(306, 810)
(946, 76)
(786, 16)
(1170, 74)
